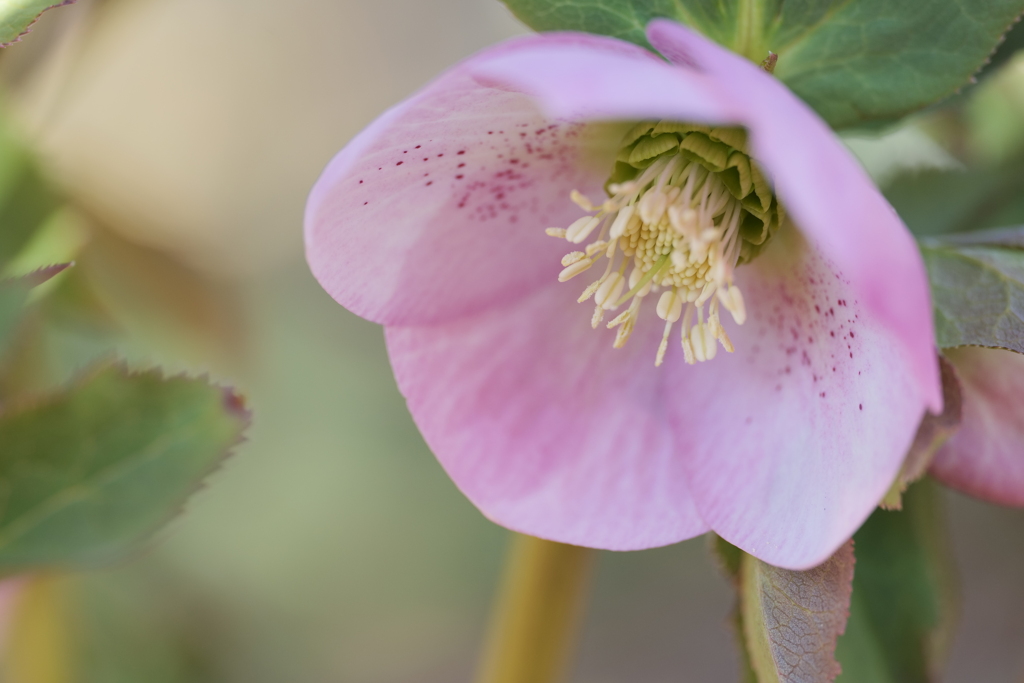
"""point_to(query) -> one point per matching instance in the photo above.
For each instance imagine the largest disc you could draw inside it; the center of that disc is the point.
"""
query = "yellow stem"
(538, 612)
(38, 648)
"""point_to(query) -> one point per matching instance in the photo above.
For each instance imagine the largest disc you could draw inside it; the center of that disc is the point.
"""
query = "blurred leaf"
(978, 294)
(162, 305)
(853, 61)
(931, 434)
(26, 200)
(937, 202)
(730, 560)
(130, 627)
(903, 604)
(88, 473)
(791, 619)
(13, 295)
(16, 16)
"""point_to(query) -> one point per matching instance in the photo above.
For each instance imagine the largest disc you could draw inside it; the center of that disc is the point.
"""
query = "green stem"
(538, 612)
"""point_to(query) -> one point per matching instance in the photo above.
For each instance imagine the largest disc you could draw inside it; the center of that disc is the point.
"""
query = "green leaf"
(866, 61)
(938, 202)
(791, 619)
(903, 604)
(854, 61)
(87, 474)
(13, 295)
(26, 199)
(729, 559)
(1012, 42)
(16, 16)
(978, 289)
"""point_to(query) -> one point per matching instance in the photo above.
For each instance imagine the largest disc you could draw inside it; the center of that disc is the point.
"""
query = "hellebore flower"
(985, 456)
(432, 222)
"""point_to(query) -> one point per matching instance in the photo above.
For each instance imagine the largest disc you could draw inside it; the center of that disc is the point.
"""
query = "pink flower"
(432, 220)
(985, 456)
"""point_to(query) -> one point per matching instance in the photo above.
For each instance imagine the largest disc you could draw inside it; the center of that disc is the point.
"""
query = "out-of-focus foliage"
(89, 472)
(94, 466)
(903, 605)
(17, 15)
(26, 200)
(335, 548)
(938, 202)
(14, 293)
(856, 62)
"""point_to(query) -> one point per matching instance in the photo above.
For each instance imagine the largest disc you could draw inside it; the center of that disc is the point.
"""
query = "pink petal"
(791, 441)
(827, 193)
(438, 209)
(547, 428)
(601, 79)
(985, 457)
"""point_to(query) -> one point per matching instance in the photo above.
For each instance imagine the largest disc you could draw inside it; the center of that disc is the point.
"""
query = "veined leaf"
(87, 474)
(854, 61)
(791, 619)
(978, 290)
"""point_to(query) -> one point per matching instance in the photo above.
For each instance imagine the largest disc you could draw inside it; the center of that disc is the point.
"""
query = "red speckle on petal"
(461, 151)
(399, 163)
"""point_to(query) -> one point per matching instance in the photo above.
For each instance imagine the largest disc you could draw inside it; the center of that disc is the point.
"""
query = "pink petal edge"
(829, 195)
(547, 428)
(985, 457)
(825, 189)
(790, 442)
(429, 269)
(437, 210)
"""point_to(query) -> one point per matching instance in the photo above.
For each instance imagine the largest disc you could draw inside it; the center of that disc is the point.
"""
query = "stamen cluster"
(685, 208)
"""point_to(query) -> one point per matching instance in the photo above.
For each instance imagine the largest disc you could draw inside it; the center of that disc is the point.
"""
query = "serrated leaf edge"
(28, 27)
(233, 402)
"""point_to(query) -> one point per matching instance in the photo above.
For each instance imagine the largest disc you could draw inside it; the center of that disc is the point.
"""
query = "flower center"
(686, 206)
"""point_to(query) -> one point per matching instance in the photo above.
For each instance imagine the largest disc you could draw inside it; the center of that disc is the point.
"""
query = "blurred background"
(332, 547)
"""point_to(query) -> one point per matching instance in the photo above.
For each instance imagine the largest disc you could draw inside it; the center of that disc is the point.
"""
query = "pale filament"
(673, 232)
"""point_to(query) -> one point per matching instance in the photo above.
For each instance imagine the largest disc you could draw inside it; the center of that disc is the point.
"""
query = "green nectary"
(718, 150)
